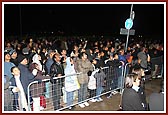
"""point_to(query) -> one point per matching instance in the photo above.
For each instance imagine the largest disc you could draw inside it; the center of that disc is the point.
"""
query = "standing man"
(57, 70)
(26, 77)
(83, 66)
(144, 58)
(48, 64)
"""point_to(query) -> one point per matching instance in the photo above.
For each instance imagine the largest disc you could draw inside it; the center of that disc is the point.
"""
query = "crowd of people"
(36, 59)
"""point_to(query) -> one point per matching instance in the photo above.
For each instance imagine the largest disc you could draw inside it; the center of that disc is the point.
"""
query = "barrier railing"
(12, 99)
(43, 95)
(157, 66)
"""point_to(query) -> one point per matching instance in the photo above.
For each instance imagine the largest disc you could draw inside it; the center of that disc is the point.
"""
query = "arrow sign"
(128, 23)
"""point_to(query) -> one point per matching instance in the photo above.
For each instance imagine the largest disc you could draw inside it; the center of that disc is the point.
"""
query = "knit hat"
(25, 51)
(12, 51)
(21, 58)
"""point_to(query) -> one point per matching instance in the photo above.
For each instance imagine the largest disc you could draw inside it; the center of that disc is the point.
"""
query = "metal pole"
(127, 41)
(128, 30)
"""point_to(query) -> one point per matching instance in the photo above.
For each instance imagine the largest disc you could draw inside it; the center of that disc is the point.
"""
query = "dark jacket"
(131, 100)
(142, 94)
(26, 77)
(48, 64)
(114, 63)
(100, 76)
(37, 89)
(55, 70)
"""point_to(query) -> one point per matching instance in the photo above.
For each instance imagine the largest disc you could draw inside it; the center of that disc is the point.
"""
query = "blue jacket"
(49, 62)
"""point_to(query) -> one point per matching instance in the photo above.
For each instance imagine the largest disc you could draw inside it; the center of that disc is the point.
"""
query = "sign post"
(129, 24)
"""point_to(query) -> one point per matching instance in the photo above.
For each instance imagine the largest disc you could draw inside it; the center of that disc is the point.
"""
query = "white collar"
(136, 88)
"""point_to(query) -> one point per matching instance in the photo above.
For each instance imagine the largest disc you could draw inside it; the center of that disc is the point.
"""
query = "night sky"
(102, 19)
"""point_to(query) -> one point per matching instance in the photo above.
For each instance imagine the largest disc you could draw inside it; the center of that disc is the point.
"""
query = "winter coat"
(55, 70)
(7, 69)
(143, 57)
(26, 76)
(83, 67)
(92, 80)
(37, 89)
(71, 81)
(131, 100)
(48, 64)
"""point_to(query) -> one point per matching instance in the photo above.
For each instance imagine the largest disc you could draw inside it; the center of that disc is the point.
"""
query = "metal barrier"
(157, 66)
(125, 72)
(12, 99)
(44, 94)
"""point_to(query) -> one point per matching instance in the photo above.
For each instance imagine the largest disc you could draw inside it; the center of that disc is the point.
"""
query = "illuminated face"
(64, 52)
(84, 56)
(7, 57)
(24, 61)
(94, 61)
(14, 55)
(137, 81)
(57, 57)
(16, 71)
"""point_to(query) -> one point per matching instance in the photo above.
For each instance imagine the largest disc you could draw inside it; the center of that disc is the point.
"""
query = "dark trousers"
(92, 93)
(108, 83)
(56, 95)
(15, 102)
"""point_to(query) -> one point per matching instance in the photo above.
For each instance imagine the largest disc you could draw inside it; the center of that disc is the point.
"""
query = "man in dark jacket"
(26, 75)
(131, 100)
(57, 70)
(113, 79)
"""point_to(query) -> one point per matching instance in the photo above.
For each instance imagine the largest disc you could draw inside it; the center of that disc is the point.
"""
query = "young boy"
(19, 93)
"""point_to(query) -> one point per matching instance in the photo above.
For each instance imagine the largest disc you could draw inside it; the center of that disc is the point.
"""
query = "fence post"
(28, 94)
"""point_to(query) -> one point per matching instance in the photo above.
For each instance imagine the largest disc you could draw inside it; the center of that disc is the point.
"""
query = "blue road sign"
(128, 23)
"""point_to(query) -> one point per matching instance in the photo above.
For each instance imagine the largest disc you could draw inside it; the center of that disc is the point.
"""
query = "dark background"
(82, 19)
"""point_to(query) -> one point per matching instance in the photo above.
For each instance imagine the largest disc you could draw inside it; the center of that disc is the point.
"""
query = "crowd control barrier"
(45, 95)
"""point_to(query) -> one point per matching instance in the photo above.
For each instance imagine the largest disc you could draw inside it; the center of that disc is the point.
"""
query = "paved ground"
(112, 104)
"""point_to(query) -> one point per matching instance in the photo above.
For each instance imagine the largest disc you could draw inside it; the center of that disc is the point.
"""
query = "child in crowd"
(20, 96)
(92, 84)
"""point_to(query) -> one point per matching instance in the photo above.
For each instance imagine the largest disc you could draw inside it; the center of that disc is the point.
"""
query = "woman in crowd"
(71, 82)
